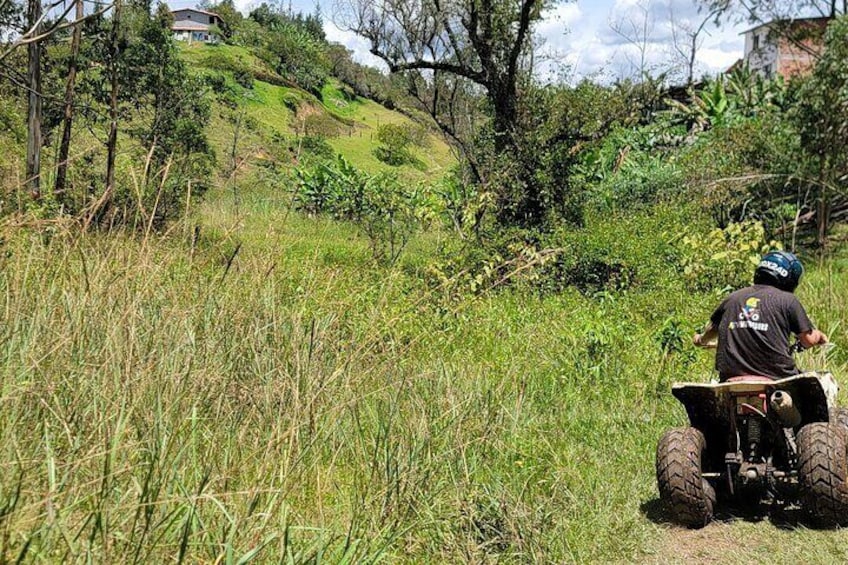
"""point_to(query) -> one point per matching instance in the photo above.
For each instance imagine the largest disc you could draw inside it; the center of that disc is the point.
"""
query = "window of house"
(756, 42)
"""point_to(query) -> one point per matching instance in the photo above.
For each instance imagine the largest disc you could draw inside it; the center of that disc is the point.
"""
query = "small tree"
(230, 17)
(822, 116)
(394, 141)
(461, 55)
(297, 55)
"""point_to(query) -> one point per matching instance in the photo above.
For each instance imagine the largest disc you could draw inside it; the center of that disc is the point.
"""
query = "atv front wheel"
(823, 472)
(689, 497)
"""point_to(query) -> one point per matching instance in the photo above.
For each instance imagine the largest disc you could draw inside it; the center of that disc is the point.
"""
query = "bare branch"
(32, 35)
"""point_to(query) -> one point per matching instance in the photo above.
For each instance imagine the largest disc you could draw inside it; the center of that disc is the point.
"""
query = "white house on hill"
(191, 24)
(785, 47)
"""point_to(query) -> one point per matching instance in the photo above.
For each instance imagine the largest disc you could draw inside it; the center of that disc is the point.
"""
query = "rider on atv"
(753, 324)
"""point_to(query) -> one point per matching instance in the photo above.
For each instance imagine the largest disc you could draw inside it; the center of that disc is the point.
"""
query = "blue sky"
(580, 41)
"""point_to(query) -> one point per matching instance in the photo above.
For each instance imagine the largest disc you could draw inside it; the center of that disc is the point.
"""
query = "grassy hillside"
(250, 385)
(276, 115)
(264, 391)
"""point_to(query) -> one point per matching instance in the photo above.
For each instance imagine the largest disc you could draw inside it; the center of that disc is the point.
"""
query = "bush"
(386, 210)
(747, 170)
(221, 60)
(611, 254)
(317, 146)
(298, 56)
(243, 78)
(723, 258)
(394, 142)
(392, 212)
(630, 167)
(321, 124)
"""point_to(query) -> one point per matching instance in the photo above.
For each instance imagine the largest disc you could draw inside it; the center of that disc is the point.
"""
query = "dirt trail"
(740, 540)
(717, 543)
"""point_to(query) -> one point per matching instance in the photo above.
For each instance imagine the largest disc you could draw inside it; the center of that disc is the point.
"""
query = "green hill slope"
(271, 118)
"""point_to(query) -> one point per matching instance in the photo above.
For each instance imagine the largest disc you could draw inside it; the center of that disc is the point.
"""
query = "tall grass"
(265, 393)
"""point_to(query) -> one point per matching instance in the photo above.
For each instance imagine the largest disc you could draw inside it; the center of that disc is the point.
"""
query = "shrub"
(220, 60)
(243, 78)
(215, 81)
(394, 142)
(611, 254)
(746, 170)
(298, 56)
(386, 210)
(724, 258)
(320, 124)
(391, 213)
(630, 167)
(317, 146)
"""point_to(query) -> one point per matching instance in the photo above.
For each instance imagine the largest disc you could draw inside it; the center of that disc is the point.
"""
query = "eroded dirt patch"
(747, 540)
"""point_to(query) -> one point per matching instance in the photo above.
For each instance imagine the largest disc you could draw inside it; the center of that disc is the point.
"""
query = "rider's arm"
(709, 335)
(812, 338)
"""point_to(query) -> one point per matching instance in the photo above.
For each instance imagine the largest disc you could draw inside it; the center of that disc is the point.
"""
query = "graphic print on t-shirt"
(749, 317)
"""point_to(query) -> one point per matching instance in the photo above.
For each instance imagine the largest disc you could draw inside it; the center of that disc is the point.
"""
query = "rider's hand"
(696, 340)
(812, 338)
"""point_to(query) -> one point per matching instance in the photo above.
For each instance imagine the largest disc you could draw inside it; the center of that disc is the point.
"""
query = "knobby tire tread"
(823, 472)
(688, 496)
(839, 416)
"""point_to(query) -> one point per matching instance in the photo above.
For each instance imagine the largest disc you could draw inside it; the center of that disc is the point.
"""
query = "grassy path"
(270, 394)
(742, 540)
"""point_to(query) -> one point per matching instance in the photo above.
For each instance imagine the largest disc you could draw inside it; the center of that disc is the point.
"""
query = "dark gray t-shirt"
(754, 325)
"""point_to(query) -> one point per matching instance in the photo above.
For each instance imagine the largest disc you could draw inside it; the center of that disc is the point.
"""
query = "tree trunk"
(823, 217)
(64, 148)
(504, 97)
(112, 143)
(690, 64)
(823, 205)
(33, 157)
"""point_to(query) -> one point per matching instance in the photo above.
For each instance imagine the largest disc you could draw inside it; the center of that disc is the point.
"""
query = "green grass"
(266, 388)
(356, 119)
(221, 57)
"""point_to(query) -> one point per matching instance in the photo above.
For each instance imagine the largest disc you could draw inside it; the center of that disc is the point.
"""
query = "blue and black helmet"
(780, 269)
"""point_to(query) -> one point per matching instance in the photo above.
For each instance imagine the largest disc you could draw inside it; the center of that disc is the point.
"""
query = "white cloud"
(557, 22)
(359, 46)
(594, 49)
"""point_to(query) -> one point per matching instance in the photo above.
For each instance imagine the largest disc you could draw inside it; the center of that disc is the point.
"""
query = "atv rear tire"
(689, 497)
(823, 472)
(839, 416)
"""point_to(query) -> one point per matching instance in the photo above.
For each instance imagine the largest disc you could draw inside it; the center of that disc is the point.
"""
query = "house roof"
(738, 64)
(815, 21)
(188, 25)
(199, 11)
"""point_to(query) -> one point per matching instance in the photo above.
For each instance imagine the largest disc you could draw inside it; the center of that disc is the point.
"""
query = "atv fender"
(709, 408)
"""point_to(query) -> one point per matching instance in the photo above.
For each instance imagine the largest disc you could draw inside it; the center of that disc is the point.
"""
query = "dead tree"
(68, 114)
(686, 38)
(114, 54)
(33, 155)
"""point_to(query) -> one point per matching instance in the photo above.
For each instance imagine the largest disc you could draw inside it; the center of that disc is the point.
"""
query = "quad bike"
(754, 438)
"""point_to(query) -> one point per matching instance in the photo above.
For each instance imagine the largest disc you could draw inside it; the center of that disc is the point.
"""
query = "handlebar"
(798, 347)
